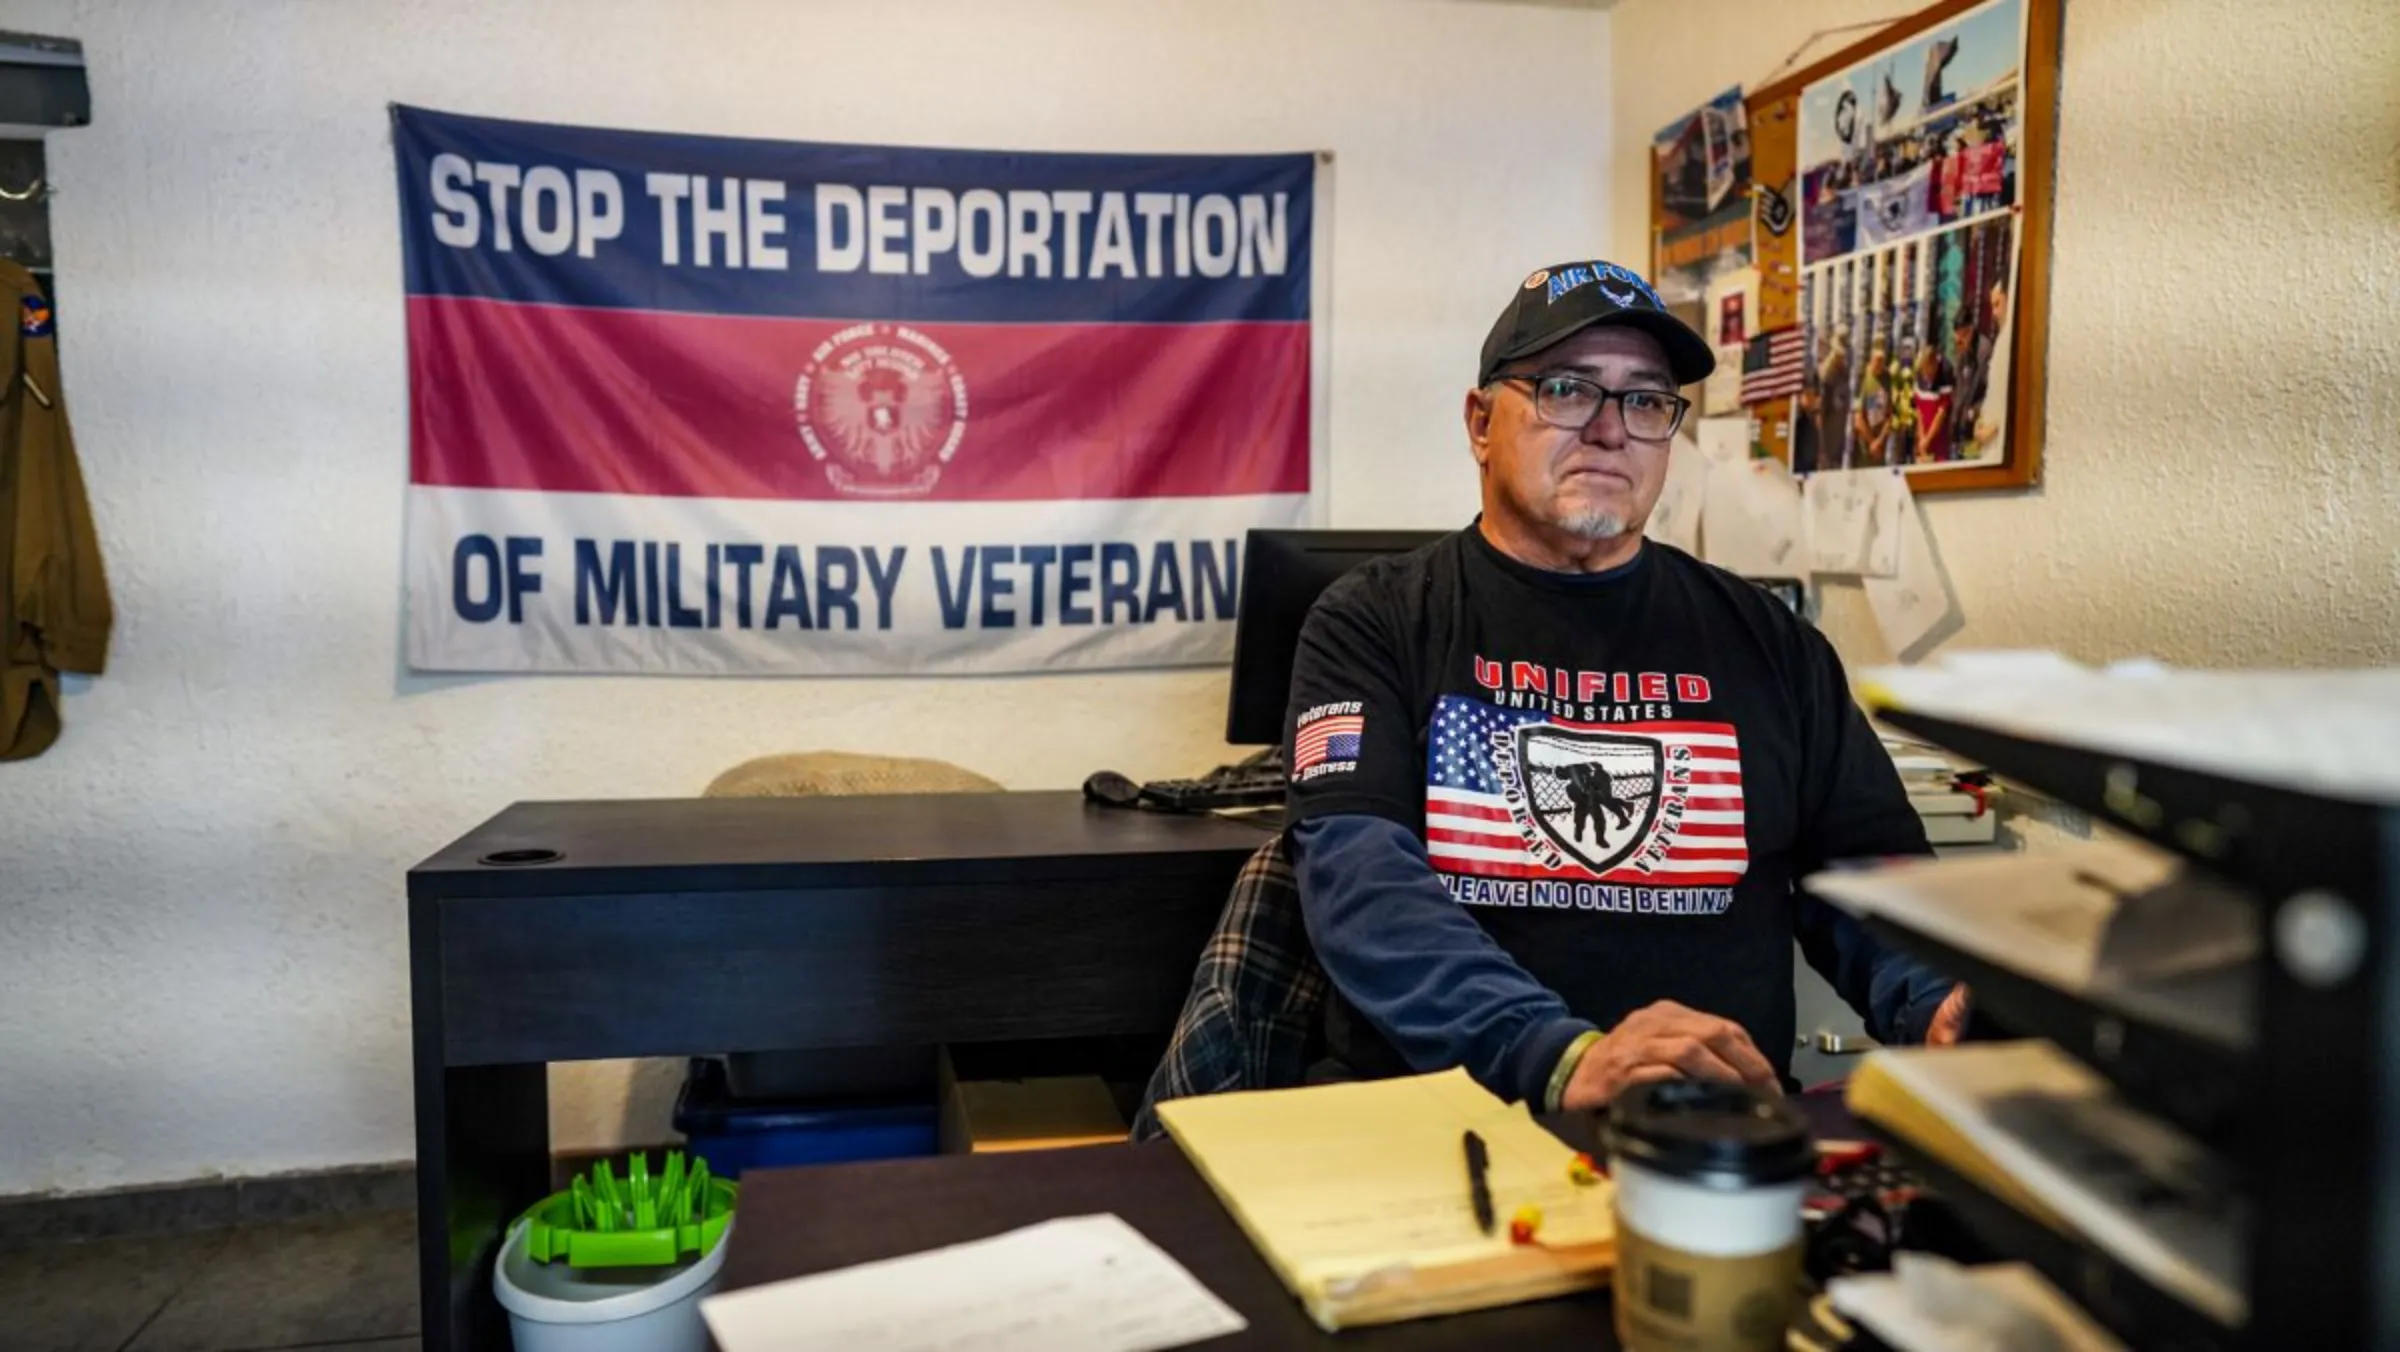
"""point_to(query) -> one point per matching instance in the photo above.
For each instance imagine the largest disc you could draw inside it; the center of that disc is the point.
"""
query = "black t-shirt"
(1618, 775)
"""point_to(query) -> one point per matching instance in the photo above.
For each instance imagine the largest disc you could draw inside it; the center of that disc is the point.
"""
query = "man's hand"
(1665, 1041)
(1949, 1022)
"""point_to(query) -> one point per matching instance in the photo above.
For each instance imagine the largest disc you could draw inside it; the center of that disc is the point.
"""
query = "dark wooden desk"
(901, 1207)
(696, 926)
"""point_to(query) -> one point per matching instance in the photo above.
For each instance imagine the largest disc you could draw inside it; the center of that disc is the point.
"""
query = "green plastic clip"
(639, 1221)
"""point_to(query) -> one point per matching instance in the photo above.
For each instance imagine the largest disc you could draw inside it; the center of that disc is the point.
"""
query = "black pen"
(1479, 1183)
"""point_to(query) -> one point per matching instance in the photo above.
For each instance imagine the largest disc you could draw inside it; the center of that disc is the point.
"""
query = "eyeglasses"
(1572, 402)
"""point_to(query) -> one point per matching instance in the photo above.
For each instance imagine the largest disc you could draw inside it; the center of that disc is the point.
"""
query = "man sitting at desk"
(1552, 784)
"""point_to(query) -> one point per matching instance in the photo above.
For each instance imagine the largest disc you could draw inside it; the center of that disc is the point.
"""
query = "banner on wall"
(715, 406)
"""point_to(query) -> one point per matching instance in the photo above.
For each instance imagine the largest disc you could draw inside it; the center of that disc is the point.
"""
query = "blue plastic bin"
(737, 1134)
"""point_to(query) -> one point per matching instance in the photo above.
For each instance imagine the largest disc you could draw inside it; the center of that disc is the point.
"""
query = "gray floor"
(340, 1282)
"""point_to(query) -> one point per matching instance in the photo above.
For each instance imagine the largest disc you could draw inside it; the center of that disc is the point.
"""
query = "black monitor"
(1283, 571)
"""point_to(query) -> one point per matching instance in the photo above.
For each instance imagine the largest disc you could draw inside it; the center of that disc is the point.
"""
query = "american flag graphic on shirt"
(1516, 793)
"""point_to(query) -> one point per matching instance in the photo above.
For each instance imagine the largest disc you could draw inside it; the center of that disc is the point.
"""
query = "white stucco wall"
(202, 950)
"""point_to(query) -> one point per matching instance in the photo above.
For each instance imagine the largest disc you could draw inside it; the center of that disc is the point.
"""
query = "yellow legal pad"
(1356, 1194)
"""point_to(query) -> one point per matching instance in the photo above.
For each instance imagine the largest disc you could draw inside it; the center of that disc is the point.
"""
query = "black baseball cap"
(1568, 298)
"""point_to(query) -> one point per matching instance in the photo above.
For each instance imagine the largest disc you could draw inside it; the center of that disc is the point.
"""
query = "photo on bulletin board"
(1724, 315)
(1775, 211)
(1923, 220)
(1700, 198)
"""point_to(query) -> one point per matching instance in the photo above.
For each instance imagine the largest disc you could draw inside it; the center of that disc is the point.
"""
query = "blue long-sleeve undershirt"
(1443, 993)
(1419, 968)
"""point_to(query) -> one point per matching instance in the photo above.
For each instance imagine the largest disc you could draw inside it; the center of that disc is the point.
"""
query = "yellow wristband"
(1565, 1070)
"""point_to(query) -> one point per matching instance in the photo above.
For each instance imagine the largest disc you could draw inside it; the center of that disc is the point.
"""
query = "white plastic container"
(554, 1308)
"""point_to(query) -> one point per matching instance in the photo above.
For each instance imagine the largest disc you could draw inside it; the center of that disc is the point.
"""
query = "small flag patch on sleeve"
(1328, 736)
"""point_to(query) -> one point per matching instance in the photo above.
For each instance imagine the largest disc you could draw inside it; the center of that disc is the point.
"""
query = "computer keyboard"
(1238, 788)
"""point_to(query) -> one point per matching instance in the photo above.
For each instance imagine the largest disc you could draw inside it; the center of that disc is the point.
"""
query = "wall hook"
(31, 191)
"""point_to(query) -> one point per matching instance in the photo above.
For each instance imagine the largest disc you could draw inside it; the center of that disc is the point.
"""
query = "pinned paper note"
(1676, 519)
(1729, 307)
(1892, 502)
(1751, 521)
(1088, 1282)
(1915, 603)
(1723, 439)
(1854, 521)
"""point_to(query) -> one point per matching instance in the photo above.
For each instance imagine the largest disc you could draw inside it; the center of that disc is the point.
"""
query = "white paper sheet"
(2118, 923)
(1082, 1284)
(2123, 1180)
(1676, 519)
(1854, 521)
(1751, 521)
(2322, 732)
(1893, 501)
(1723, 440)
(1929, 1304)
(1915, 601)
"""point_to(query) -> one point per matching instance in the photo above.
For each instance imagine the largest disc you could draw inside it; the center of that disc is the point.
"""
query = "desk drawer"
(652, 974)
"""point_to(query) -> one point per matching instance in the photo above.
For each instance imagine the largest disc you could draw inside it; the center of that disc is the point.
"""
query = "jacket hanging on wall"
(54, 606)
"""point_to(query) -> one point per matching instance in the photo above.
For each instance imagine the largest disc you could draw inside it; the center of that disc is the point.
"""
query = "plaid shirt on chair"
(1250, 1020)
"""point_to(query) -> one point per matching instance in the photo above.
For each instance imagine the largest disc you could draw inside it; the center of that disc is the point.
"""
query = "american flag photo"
(1771, 365)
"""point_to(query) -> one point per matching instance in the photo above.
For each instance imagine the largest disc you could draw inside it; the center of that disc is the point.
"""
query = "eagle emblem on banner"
(882, 408)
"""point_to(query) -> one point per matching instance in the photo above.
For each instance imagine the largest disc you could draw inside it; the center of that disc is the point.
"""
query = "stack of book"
(1956, 802)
